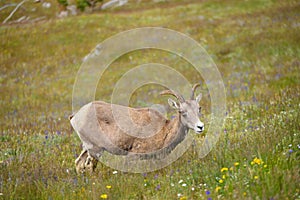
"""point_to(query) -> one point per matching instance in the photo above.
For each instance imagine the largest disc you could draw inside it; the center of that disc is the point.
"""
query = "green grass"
(256, 47)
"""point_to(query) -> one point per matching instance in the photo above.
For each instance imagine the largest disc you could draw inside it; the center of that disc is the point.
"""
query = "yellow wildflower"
(257, 161)
(224, 169)
(221, 181)
(103, 196)
(108, 186)
(265, 166)
(236, 164)
(245, 193)
(231, 169)
(224, 176)
(255, 177)
(218, 188)
(183, 198)
(252, 163)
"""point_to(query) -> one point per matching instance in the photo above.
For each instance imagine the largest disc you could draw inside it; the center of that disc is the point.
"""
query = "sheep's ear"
(198, 98)
(173, 104)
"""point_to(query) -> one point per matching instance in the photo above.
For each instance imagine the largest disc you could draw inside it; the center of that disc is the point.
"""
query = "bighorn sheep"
(98, 128)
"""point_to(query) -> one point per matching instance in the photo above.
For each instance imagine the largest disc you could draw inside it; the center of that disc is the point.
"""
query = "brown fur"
(123, 130)
(141, 117)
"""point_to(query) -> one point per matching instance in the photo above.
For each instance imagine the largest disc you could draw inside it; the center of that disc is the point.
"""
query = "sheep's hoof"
(90, 164)
(80, 162)
(85, 162)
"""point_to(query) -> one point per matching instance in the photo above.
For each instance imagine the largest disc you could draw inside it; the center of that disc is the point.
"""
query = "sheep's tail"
(71, 116)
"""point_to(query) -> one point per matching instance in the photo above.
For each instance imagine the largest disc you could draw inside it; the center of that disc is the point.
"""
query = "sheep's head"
(189, 110)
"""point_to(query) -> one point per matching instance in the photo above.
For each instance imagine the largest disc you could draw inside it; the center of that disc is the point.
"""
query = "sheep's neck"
(177, 131)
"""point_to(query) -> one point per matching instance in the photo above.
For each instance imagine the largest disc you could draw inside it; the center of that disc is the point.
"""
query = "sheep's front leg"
(90, 163)
(80, 162)
(85, 162)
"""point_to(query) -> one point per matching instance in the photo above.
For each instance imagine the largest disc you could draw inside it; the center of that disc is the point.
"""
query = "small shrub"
(82, 4)
(64, 3)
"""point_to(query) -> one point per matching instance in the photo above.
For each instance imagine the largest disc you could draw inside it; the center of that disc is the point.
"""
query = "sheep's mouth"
(199, 131)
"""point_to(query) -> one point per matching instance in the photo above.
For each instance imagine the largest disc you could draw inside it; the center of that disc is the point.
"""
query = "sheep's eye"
(200, 109)
(183, 113)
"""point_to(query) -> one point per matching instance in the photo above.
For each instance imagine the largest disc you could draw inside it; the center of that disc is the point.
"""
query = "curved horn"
(193, 90)
(172, 92)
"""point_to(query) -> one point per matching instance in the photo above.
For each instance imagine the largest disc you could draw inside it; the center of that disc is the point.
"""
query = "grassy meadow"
(254, 43)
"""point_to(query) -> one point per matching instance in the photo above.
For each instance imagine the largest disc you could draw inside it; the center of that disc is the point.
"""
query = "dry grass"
(255, 44)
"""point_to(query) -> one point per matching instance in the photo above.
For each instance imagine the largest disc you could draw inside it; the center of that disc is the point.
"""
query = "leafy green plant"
(255, 45)
(82, 4)
(63, 3)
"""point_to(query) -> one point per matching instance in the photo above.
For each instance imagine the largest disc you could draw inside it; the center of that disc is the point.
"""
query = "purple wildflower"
(171, 172)
(157, 187)
(207, 192)
(75, 181)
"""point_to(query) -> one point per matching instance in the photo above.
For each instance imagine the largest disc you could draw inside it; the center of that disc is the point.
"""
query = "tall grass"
(255, 44)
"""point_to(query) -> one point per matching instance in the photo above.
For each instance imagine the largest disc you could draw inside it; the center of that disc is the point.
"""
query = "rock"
(46, 4)
(63, 14)
(113, 3)
(72, 9)
(201, 17)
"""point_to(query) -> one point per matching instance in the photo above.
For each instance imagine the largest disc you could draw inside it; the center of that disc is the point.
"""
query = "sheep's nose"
(199, 127)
